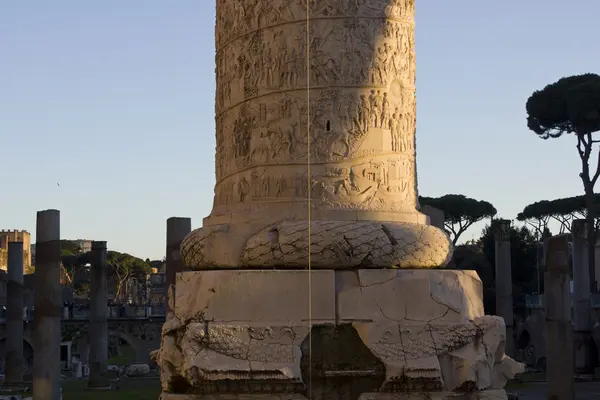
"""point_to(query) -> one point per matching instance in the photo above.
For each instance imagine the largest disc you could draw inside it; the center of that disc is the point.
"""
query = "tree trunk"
(591, 235)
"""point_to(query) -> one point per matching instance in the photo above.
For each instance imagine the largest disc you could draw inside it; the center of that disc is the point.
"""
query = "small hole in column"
(328, 126)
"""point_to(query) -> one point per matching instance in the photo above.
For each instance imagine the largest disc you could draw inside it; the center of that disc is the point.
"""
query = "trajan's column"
(336, 90)
(315, 167)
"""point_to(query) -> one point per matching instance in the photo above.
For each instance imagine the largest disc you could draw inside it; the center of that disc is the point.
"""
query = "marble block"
(246, 331)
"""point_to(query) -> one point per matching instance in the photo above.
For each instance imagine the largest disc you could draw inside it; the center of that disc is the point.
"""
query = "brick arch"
(26, 339)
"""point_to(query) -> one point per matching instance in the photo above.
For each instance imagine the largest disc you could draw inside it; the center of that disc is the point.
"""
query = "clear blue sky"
(114, 99)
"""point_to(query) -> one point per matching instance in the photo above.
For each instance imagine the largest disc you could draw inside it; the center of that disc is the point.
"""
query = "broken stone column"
(315, 228)
(46, 331)
(504, 296)
(98, 312)
(177, 229)
(14, 362)
(584, 353)
(559, 330)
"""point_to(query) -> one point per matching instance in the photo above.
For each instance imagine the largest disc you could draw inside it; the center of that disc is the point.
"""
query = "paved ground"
(537, 391)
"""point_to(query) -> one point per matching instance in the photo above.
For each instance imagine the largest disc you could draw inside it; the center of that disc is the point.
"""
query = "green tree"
(572, 106)
(122, 267)
(72, 259)
(460, 212)
(537, 215)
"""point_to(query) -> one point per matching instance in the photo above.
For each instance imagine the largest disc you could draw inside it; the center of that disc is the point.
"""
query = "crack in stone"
(389, 235)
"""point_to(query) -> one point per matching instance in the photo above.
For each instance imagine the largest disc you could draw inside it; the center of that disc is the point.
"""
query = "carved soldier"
(375, 107)
(243, 188)
(394, 129)
(281, 186)
(385, 110)
(379, 66)
(364, 113)
(291, 69)
(354, 114)
(406, 143)
(255, 184)
(300, 186)
(266, 186)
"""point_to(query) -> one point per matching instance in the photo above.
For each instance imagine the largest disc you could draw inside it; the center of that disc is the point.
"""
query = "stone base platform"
(332, 335)
(484, 395)
(167, 396)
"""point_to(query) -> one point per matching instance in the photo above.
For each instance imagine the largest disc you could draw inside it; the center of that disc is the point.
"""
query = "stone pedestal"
(247, 332)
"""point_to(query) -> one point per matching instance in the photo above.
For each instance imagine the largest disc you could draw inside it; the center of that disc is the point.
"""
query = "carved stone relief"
(342, 52)
(338, 93)
(344, 124)
(239, 18)
(315, 114)
(378, 183)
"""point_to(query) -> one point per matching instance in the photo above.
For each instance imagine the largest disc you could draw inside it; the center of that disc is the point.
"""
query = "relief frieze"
(344, 125)
(240, 17)
(346, 52)
(379, 183)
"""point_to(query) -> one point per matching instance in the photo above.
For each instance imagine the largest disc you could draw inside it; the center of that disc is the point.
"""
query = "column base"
(231, 396)
(263, 333)
(339, 245)
(482, 395)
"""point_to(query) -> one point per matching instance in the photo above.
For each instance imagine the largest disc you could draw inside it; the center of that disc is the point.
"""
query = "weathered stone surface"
(347, 244)
(433, 356)
(356, 129)
(279, 297)
(443, 295)
(230, 358)
(233, 329)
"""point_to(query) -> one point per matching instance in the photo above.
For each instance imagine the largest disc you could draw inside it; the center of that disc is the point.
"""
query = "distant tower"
(347, 75)
(7, 236)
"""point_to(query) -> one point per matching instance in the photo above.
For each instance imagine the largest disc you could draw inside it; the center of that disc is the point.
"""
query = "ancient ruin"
(314, 275)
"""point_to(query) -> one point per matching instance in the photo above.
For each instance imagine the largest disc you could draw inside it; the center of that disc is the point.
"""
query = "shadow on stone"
(336, 365)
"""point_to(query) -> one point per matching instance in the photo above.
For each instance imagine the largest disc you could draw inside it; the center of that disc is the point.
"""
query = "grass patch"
(531, 377)
(126, 357)
(129, 389)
